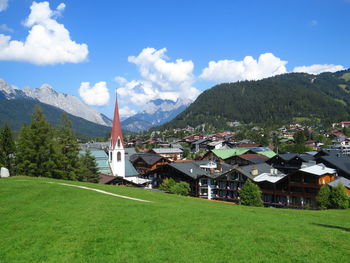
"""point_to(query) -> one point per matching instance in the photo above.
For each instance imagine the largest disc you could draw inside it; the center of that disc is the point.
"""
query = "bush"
(250, 194)
(338, 197)
(167, 184)
(323, 197)
(181, 188)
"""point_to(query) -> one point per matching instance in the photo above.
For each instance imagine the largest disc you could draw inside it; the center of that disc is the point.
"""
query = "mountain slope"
(155, 112)
(16, 112)
(277, 99)
(68, 103)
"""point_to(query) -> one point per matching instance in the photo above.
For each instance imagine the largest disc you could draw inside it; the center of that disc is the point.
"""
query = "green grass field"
(42, 222)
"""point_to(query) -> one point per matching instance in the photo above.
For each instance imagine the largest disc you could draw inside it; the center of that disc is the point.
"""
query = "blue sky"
(165, 49)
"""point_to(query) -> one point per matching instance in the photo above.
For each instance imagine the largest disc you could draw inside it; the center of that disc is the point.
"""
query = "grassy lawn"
(43, 222)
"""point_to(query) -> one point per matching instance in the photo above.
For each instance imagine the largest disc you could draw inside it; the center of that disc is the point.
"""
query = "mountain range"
(16, 107)
(154, 113)
(46, 94)
(275, 100)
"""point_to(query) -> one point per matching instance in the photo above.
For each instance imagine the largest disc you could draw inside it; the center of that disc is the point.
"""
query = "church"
(119, 164)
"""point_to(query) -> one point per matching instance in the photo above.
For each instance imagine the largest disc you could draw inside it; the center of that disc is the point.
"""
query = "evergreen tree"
(23, 151)
(338, 197)
(323, 197)
(36, 148)
(88, 171)
(7, 148)
(67, 160)
(250, 194)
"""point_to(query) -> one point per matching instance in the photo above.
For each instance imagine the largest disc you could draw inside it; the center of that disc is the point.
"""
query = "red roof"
(249, 156)
(117, 128)
(345, 122)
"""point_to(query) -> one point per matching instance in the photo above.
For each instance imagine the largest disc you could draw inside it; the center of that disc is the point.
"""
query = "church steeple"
(116, 149)
(116, 128)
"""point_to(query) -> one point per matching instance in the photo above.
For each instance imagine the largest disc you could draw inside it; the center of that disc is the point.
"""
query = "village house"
(147, 162)
(173, 154)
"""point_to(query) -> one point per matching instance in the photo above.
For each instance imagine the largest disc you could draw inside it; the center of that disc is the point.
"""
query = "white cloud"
(3, 5)
(126, 112)
(4, 27)
(318, 68)
(247, 69)
(98, 95)
(160, 78)
(48, 42)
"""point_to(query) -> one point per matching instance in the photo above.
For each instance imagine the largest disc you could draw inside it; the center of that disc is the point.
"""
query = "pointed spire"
(117, 128)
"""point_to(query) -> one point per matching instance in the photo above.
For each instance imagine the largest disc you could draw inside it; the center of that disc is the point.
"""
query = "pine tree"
(323, 197)
(338, 197)
(7, 148)
(88, 171)
(23, 151)
(250, 194)
(67, 160)
(36, 148)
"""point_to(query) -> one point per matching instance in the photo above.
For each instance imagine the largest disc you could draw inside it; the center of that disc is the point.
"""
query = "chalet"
(224, 155)
(289, 162)
(189, 172)
(300, 188)
(226, 186)
(147, 162)
(228, 155)
(172, 154)
(198, 145)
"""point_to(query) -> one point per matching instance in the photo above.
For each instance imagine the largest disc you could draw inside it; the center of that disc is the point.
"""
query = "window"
(119, 156)
(118, 143)
(110, 156)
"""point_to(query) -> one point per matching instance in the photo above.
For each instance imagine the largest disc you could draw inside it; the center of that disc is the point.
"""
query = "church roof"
(116, 129)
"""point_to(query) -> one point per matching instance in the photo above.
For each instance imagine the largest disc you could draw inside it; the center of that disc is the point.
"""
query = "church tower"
(116, 148)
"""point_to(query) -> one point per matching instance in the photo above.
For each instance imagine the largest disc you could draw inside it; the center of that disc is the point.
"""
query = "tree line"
(43, 151)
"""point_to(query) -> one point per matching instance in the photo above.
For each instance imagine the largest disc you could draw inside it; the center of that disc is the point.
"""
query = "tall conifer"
(7, 147)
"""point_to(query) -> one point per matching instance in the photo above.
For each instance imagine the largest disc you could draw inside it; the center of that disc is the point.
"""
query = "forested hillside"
(278, 99)
(19, 111)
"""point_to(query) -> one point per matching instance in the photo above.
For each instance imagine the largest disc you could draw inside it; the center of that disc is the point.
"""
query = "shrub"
(166, 184)
(338, 197)
(181, 188)
(323, 197)
(250, 194)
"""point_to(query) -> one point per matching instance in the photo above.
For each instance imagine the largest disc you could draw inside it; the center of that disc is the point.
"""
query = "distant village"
(216, 166)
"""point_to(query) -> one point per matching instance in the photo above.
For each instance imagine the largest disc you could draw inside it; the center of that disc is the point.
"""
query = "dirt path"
(102, 192)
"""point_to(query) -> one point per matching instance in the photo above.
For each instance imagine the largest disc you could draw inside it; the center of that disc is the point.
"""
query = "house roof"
(215, 143)
(167, 150)
(149, 158)
(130, 169)
(261, 167)
(340, 180)
(101, 160)
(254, 157)
(318, 169)
(227, 153)
(194, 169)
(269, 177)
(339, 162)
(264, 151)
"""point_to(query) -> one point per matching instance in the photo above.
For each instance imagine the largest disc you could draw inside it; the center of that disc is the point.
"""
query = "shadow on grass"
(347, 229)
